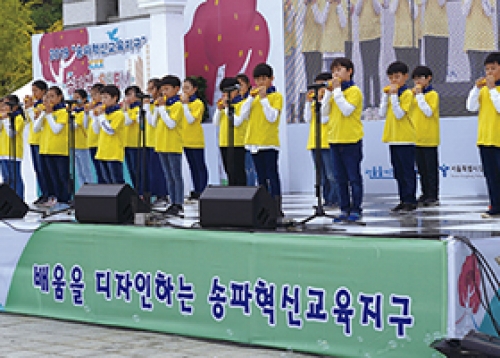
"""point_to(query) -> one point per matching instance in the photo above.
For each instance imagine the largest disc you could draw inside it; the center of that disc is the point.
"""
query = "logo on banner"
(465, 171)
(70, 59)
(379, 172)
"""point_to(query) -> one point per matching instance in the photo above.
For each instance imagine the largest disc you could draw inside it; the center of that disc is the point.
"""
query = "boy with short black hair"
(425, 117)
(485, 98)
(262, 137)
(344, 105)
(400, 133)
(111, 145)
(169, 140)
(92, 135)
(131, 108)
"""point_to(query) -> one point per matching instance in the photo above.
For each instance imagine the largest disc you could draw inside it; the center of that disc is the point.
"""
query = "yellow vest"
(333, 36)
(170, 140)
(239, 132)
(325, 129)
(400, 130)
(112, 147)
(479, 32)
(403, 26)
(34, 137)
(51, 143)
(80, 131)
(347, 129)
(192, 135)
(427, 128)
(369, 22)
(488, 121)
(132, 131)
(312, 32)
(436, 19)
(260, 131)
(5, 140)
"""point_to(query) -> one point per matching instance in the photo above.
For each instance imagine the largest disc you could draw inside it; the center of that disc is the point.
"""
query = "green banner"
(352, 297)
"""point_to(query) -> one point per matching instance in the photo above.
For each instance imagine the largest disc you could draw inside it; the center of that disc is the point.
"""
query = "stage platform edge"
(341, 296)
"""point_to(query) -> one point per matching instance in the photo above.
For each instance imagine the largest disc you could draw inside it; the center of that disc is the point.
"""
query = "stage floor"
(457, 216)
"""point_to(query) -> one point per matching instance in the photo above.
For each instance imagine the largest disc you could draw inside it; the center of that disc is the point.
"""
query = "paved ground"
(22, 336)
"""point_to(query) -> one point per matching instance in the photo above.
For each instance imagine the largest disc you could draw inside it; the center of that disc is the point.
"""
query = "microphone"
(143, 96)
(317, 86)
(232, 88)
(71, 102)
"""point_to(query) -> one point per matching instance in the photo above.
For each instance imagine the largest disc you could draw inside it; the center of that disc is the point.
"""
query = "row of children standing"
(107, 134)
(411, 130)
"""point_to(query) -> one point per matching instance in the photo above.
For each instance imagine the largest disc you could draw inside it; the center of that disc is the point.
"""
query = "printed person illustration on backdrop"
(311, 38)
(369, 34)
(436, 38)
(333, 20)
(479, 38)
(407, 31)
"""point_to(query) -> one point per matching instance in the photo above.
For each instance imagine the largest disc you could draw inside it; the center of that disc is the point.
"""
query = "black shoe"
(408, 208)
(421, 200)
(40, 200)
(397, 208)
(174, 209)
(431, 202)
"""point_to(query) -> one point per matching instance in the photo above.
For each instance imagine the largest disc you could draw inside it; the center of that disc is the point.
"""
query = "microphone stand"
(319, 209)
(144, 204)
(230, 139)
(13, 150)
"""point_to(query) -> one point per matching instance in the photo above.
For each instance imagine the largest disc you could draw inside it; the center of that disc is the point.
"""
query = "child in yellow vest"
(425, 117)
(344, 106)
(12, 143)
(156, 183)
(169, 140)
(485, 98)
(400, 134)
(235, 171)
(193, 137)
(111, 146)
(262, 137)
(245, 88)
(34, 107)
(53, 125)
(131, 108)
(92, 135)
(83, 162)
(328, 184)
